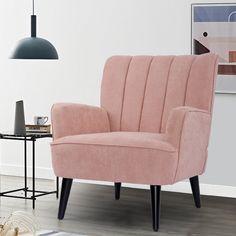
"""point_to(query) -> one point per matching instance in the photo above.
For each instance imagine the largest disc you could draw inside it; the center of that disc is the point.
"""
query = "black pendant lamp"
(34, 47)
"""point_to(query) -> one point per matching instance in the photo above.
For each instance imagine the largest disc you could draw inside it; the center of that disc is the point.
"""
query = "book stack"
(38, 128)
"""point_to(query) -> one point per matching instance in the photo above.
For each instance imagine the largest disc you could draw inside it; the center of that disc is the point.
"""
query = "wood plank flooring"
(92, 210)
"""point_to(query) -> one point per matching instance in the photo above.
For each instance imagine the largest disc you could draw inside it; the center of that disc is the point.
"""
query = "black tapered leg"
(155, 200)
(57, 187)
(65, 192)
(117, 191)
(196, 191)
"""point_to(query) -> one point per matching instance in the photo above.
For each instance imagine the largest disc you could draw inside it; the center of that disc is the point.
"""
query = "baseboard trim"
(17, 170)
(182, 187)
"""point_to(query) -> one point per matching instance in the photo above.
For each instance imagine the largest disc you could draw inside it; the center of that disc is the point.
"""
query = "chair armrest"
(188, 130)
(71, 119)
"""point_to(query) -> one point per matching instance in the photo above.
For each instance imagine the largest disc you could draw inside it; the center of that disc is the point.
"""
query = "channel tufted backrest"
(139, 92)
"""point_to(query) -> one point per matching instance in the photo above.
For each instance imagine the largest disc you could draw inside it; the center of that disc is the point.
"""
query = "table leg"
(33, 170)
(57, 183)
(25, 154)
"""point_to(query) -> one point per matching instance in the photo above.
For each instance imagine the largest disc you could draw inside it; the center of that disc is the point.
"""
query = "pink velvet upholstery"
(116, 157)
(152, 128)
(71, 119)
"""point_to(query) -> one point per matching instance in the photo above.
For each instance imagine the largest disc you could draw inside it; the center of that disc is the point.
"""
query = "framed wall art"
(214, 30)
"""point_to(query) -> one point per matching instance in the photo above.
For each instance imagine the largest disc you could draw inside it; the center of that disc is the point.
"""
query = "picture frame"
(213, 29)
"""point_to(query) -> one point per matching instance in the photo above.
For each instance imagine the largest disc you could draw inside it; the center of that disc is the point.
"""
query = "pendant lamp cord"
(33, 7)
(33, 23)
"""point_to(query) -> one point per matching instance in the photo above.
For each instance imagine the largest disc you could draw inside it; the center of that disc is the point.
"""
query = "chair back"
(139, 92)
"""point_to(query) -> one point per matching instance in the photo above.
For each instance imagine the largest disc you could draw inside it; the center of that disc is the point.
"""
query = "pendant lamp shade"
(34, 47)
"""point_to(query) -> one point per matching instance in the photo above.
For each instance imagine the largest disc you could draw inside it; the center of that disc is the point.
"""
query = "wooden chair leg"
(65, 193)
(155, 201)
(196, 190)
(117, 190)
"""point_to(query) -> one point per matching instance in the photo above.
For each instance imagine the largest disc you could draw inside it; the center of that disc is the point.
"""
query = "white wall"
(86, 32)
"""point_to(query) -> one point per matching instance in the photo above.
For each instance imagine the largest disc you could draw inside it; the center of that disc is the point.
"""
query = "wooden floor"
(92, 210)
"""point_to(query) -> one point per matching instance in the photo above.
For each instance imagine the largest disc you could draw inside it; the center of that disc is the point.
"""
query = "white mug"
(40, 120)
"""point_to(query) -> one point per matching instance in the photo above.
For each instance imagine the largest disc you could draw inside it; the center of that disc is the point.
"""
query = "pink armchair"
(152, 128)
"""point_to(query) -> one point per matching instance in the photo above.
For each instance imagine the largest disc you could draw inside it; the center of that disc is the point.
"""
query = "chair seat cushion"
(133, 157)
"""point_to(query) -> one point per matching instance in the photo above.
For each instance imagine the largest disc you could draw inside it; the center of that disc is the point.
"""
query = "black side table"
(29, 137)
